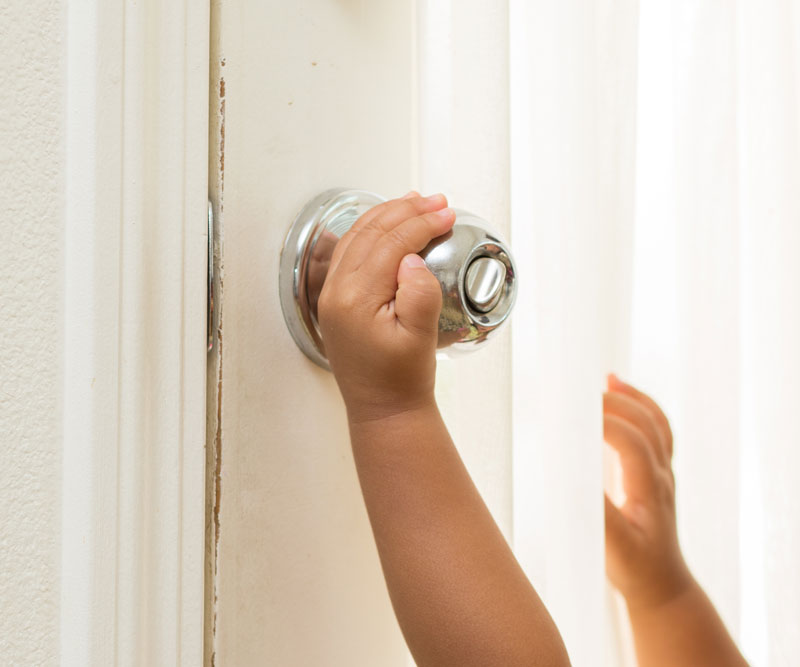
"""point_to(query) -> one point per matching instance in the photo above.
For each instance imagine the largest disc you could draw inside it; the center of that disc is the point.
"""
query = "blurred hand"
(379, 307)
(643, 557)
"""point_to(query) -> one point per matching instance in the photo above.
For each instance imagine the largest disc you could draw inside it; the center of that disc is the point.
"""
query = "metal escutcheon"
(472, 263)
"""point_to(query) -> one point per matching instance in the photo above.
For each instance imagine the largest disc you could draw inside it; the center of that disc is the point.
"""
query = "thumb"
(418, 301)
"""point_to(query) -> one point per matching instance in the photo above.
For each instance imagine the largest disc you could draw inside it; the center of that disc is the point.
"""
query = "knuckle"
(335, 299)
(430, 284)
(378, 208)
(431, 219)
(666, 486)
(637, 439)
(388, 218)
(397, 238)
(415, 205)
(348, 300)
(640, 443)
(325, 304)
(426, 295)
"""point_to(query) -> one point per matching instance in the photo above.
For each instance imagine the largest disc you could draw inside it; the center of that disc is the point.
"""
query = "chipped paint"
(221, 136)
(217, 483)
(214, 370)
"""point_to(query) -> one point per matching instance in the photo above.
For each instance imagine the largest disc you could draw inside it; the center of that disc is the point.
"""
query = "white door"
(307, 96)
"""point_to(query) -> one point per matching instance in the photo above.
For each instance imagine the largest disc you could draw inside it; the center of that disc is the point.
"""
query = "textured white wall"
(31, 201)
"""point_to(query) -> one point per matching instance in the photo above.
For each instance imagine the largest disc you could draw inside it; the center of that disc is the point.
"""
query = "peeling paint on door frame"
(214, 367)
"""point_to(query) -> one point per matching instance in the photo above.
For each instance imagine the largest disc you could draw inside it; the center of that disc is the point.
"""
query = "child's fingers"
(360, 244)
(620, 535)
(363, 221)
(382, 208)
(624, 406)
(411, 236)
(615, 384)
(418, 300)
(635, 455)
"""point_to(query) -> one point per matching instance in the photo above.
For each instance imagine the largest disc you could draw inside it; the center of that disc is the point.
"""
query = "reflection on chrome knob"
(471, 262)
(484, 283)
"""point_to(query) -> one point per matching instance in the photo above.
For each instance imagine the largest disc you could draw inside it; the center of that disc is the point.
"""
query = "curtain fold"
(716, 309)
(652, 156)
(573, 106)
(769, 198)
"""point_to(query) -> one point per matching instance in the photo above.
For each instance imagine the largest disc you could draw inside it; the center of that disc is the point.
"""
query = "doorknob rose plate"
(471, 262)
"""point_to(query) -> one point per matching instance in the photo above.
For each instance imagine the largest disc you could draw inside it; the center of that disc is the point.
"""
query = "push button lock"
(484, 283)
(471, 262)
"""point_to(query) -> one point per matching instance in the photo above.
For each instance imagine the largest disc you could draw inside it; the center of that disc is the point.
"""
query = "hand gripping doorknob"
(472, 263)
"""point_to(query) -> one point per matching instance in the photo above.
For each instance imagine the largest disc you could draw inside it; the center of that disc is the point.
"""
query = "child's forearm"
(684, 631)
(459, 594)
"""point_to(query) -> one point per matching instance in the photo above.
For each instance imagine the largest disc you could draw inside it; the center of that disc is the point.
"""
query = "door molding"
(136, 149)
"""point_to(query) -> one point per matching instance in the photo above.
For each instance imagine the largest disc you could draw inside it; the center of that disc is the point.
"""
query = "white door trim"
(134, 327)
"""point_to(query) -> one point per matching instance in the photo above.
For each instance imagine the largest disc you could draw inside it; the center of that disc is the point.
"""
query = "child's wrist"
(375, 411)
(665, 593)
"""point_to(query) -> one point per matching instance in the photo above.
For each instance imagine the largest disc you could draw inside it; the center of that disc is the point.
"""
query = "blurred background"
(715, 302)
(655, 151)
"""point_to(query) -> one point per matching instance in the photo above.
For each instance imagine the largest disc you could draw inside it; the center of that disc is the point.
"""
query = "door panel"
(316, 94)
(312, 95)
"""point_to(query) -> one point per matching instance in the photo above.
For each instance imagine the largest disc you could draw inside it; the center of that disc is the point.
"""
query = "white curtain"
(651, 154)
(573, 109)
(716, 304)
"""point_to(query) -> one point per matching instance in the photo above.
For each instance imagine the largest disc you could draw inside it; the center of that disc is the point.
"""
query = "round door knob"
(471, 262)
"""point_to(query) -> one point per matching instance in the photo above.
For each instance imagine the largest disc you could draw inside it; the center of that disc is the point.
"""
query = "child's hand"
(643, 558)
(379, 308)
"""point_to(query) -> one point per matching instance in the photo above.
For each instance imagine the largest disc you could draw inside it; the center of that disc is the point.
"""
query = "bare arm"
(684, 630)
(459, 594)
(674, 623)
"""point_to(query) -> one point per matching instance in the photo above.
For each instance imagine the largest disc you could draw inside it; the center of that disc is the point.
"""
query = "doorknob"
(472, 263)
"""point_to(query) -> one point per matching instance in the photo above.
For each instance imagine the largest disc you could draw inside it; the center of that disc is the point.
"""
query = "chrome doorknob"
(471, 262)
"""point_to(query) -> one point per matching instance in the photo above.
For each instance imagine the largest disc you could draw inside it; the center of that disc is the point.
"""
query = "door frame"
(135, 244)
